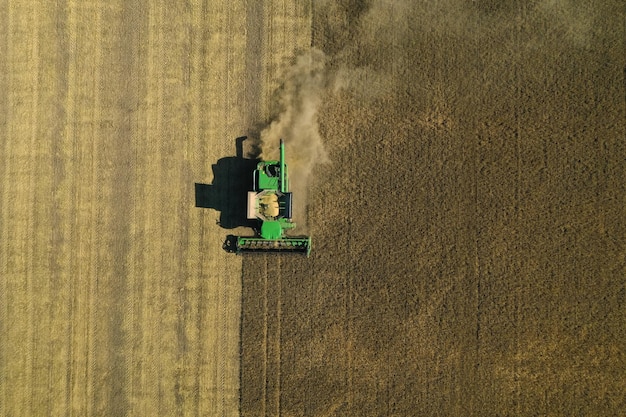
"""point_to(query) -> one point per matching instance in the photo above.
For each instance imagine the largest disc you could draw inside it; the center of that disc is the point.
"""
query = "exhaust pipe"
(283, 186)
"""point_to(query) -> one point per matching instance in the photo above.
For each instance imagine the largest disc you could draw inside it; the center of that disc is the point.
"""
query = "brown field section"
(116, 297)
(469, 234)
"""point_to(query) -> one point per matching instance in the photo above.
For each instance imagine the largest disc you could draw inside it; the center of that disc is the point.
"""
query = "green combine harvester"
(270, 202)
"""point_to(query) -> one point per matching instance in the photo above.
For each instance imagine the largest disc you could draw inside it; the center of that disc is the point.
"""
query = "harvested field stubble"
(469, 231)
(116, 297)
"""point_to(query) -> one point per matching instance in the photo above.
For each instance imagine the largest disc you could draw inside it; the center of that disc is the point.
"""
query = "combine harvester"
(270, 203)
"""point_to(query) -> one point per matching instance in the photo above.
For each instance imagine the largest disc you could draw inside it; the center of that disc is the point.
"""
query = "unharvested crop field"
(469, 224)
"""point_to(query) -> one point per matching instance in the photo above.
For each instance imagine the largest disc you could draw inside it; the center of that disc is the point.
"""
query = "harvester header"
(270, 202)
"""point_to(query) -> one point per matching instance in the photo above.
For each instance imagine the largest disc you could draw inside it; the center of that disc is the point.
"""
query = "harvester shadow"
(232, 179)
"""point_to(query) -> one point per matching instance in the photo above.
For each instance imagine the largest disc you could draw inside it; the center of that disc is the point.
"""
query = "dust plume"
(366, 52)
(298, 101)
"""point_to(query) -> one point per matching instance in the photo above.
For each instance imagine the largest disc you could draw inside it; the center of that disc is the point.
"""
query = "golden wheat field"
(460, 166)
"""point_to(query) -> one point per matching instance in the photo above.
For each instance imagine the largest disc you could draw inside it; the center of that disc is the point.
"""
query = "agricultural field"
(459, 165)
(469, 229)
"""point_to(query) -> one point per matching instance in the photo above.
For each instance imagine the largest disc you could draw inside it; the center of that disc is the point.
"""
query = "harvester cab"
(270, 203)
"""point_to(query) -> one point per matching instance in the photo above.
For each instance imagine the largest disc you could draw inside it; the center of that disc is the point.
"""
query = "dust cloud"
(369, 56)
(298, 100)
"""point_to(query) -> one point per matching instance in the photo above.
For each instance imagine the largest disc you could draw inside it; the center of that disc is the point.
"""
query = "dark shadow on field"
(232, 179)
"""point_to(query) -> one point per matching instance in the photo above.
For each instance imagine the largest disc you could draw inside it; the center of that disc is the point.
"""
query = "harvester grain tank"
(270, 202)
